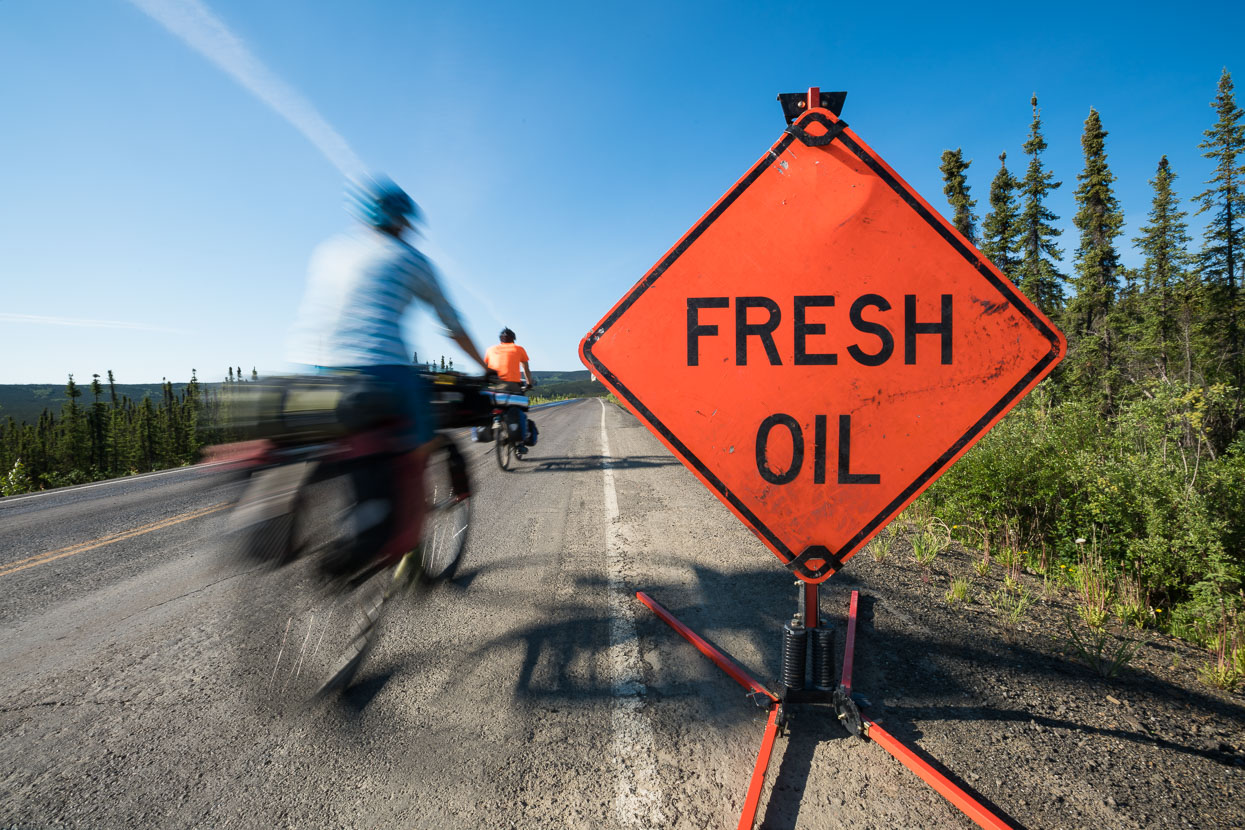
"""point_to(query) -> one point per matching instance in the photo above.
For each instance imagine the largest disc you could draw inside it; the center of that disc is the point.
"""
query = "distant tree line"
(1135, 443)
(99, 434)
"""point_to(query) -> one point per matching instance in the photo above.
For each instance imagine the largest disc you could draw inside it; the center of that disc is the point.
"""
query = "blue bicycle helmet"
(382, 204)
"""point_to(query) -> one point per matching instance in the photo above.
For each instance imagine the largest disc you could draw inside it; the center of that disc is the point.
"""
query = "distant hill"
(26, 401)
(543, 378)
(574, 384)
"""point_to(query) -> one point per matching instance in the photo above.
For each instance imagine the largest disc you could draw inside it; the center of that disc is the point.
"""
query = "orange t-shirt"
(504, 359)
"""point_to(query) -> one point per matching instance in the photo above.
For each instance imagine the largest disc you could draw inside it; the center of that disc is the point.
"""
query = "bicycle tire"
(503, 447)
(447, 518)
(308, 633)
(308, 626)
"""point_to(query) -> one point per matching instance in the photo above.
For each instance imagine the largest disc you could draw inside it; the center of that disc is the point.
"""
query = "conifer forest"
(1127, 463)
(1127, 466)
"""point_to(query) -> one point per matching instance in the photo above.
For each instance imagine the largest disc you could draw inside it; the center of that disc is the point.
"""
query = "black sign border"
(941, 464)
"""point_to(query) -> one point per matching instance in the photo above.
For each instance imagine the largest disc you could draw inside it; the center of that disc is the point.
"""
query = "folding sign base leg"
(845, 705)
(761, 695)
(850, 717)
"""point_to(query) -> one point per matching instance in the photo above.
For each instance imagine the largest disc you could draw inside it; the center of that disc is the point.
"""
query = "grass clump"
(882, 545)
(1012, 604)
(929, 541)
(1227, 667)
(1093, 586)
(982, 566)
(961, 591)
(1097, 650)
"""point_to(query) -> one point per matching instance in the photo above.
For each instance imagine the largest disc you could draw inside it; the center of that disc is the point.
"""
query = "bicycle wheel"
(502, 442)
(448, 517)
(261, 525)
(308, 633)
(308, 626)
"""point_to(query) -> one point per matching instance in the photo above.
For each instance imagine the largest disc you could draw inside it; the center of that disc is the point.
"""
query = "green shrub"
(1148, 484)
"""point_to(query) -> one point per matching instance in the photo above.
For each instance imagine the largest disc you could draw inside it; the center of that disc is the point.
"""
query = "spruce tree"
(1171, 293)
(1000, 232)
(1039, 278)
(955, 186)
(1092, 337)
(74, 455)
(98, 419)
(1224, 238)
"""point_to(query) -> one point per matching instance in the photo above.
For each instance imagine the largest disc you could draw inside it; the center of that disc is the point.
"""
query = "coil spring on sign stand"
(823, 656)
(794, 647)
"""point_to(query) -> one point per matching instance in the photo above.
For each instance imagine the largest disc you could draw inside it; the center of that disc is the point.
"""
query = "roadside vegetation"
(1122, 477)
(111, 434)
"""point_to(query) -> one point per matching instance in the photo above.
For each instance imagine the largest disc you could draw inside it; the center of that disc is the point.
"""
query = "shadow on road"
(583, 463)
(743, 613)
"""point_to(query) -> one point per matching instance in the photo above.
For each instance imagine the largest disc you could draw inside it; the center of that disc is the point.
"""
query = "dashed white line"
(638, 798)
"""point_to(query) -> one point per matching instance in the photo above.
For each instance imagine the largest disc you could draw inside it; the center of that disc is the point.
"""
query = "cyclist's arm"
(527, 370)
(428, 289)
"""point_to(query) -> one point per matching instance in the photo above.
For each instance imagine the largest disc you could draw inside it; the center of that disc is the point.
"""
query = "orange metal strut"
(966, 804)
(849, 646)
(706, 648)
(748, 817)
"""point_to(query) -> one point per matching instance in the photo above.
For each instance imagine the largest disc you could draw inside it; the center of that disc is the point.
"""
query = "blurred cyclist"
(359, 287)
(506, 358)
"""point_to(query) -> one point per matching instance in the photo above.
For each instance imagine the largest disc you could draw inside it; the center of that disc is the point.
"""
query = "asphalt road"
(533, 691)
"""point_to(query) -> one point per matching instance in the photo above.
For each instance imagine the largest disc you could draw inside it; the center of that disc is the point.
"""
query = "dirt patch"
(1011, 710)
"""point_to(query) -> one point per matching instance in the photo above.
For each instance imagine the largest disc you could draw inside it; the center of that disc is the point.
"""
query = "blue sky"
(156, 216)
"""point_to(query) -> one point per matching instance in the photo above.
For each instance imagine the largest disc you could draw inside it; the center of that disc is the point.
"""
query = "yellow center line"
(83, 547)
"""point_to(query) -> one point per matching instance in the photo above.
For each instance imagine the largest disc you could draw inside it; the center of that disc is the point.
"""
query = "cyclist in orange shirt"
(506, 358)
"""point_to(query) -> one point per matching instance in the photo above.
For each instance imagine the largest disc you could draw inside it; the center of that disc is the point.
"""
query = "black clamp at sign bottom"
(833, 129)
(848, 712)
(831, 562)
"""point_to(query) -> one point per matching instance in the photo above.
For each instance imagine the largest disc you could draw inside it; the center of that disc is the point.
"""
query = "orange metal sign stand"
(821, 345)
(868, 730)
(818, 349)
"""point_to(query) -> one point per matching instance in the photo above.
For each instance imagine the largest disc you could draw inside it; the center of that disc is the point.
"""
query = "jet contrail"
(207, 34)
(41, 320)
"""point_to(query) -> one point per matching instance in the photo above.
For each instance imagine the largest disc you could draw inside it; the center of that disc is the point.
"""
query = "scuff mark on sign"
(991, 307)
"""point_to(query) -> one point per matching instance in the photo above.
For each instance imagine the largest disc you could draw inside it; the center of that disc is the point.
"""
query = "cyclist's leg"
(420, 437)
(408, 489)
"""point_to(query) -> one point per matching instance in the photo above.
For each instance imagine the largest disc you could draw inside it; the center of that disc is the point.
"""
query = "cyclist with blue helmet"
(361, 285)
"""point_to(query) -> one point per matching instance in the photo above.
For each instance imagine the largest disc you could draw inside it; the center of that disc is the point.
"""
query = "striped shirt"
(359, 286)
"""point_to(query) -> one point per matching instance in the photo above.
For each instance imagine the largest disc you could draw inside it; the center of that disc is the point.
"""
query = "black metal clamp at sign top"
(795, 104)
(800, 110)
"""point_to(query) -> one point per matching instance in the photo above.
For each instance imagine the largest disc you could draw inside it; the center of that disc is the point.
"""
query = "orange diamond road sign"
(821, 346)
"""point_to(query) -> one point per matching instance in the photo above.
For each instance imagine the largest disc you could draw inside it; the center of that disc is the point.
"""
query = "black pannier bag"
(459, 400)
(533, 434)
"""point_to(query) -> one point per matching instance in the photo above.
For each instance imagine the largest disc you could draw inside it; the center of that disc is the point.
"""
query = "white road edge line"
(638, 799)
